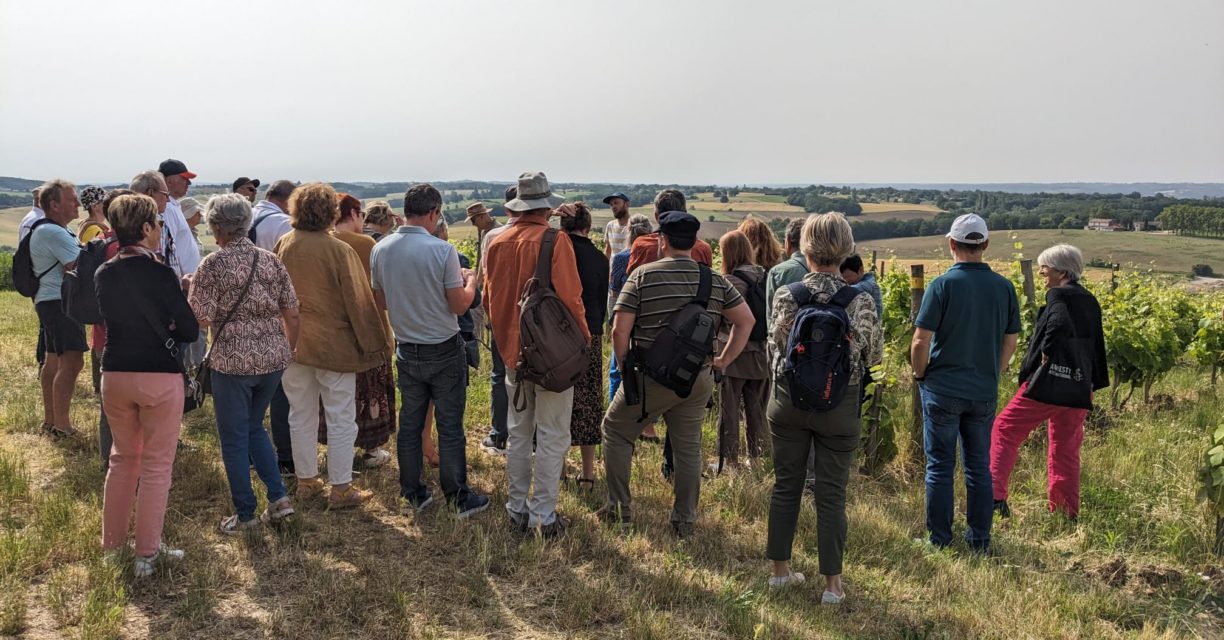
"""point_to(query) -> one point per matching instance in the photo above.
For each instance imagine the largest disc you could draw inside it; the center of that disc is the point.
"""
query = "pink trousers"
(1066, 434)
(144, 411)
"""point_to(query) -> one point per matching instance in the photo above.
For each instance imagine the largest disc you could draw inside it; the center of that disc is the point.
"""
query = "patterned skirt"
(376, 417)
(587, 415)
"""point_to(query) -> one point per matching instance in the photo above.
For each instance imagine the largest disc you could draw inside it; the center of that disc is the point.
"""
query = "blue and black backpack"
(817, 366)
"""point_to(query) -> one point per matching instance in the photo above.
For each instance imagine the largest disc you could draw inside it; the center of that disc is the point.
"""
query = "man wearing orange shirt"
(545, 415)
(646, 248)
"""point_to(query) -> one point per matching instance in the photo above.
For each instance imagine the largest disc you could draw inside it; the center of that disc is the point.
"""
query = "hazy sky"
(644, 91)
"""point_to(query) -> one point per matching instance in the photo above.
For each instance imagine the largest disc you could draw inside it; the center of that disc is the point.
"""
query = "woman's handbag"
(1064, 377)
(203, 374)
(195, 383)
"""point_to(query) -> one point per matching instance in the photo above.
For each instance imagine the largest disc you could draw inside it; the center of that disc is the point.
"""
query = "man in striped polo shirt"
(651, 295)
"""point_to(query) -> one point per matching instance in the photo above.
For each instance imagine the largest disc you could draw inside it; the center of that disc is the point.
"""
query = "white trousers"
(546, 418)
(303, 387)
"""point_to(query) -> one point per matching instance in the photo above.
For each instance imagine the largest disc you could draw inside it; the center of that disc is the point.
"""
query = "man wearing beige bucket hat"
(510, 261)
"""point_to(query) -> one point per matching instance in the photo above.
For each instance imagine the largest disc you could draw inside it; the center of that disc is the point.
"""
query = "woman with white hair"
(1064, 364)
(243, 293)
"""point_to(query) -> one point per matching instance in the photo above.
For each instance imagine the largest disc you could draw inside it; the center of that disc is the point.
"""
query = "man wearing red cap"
(182, 252)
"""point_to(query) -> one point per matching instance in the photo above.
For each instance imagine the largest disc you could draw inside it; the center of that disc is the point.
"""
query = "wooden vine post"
(1030, 290)
(917, 289)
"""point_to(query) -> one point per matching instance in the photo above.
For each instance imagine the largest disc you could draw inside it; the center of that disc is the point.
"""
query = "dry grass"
(378, 573)
(896, 207)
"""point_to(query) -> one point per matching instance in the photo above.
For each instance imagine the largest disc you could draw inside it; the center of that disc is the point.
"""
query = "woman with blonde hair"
(745, 383)
(341, 335)
(380, 219)
(146, 314)
(826, 241)
(766, 252)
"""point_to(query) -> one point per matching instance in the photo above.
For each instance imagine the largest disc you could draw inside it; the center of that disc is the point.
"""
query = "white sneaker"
(376, 457)
(832, 598)
(144, 567)
(791, 579)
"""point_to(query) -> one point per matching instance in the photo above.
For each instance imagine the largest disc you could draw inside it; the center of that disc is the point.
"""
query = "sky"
(657, 91)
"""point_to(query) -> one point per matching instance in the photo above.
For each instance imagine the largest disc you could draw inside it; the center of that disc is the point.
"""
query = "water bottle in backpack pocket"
(817, 359)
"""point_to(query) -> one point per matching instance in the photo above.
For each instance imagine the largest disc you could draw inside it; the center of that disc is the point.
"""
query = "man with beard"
(616, 232)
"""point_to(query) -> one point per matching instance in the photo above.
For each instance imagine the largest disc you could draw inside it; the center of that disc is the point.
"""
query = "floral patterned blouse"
(867, 338)
(253, 342)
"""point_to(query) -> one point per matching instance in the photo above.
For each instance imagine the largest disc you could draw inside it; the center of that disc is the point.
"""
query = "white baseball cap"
(969, 229)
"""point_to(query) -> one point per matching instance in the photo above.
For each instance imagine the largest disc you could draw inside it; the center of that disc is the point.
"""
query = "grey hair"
(639, 225)
(440, 228)
(1064, 258)
(146, 180)
(280, 190)
(51, 190)
(229, 214)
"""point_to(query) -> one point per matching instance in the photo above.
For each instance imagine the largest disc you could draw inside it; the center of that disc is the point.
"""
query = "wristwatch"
(917, 378)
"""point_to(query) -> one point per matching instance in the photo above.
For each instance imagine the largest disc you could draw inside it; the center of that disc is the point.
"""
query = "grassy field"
(1169, 253)
(1136, 564)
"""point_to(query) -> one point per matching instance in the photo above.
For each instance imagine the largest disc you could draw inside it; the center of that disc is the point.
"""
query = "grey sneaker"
(554, 529)
(232, 526)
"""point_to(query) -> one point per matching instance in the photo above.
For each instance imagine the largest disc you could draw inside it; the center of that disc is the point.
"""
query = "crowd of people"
(315, 311)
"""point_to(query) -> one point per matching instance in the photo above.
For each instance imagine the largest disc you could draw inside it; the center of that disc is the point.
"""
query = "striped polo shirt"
(657, 290)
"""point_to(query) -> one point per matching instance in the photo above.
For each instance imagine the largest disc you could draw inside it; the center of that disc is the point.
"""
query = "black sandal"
(586, 484)
(60, 434)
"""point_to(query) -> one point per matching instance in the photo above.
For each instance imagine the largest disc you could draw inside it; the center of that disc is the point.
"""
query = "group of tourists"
(314, 311)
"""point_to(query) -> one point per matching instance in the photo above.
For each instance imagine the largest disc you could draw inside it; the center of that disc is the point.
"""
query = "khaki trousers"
(622, 425)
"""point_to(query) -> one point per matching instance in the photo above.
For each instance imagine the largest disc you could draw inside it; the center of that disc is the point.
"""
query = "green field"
(1137, 564)
(1141, 251)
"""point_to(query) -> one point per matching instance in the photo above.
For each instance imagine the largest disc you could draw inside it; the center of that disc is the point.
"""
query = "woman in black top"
(143, 304)
(1064, 364)
(593, 272)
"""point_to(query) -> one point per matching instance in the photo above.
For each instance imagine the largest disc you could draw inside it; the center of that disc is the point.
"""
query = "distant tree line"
(1192, 220)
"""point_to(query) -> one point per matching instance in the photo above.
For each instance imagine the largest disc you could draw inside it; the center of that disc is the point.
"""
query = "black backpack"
(755, 297)
(679, 353)
(77, 294)
(817, 365)
(25, 280)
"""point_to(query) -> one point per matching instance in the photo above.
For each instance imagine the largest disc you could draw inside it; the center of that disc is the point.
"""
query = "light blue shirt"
(52, 247)
(413, 269)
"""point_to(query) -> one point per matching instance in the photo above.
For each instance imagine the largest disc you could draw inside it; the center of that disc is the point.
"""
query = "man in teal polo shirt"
(964, 335)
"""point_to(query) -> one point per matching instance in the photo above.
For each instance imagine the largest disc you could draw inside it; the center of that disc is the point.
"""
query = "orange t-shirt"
(645, 250)
(510, 262)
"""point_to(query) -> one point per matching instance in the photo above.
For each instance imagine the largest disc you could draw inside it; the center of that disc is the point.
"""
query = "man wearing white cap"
(965, 334)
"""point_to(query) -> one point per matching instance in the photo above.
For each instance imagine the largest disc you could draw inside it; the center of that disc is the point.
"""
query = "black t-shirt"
(593, 273)
(131, 343)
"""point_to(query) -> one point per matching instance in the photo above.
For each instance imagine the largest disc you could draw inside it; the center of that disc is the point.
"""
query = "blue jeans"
(947, 420)
(497, 392)
(239, 403)
(436, 372)
(614, 378)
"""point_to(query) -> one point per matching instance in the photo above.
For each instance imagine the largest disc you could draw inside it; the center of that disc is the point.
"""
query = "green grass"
(375, 572)
(1132, 250)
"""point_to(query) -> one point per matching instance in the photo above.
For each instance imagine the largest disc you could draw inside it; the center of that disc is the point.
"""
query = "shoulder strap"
(261, 218)
(543, 272)
(29, 240)
(800, 293)
(746, 276)
(704, 284)
(150, 317)
(845, 296)
(237, 301)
